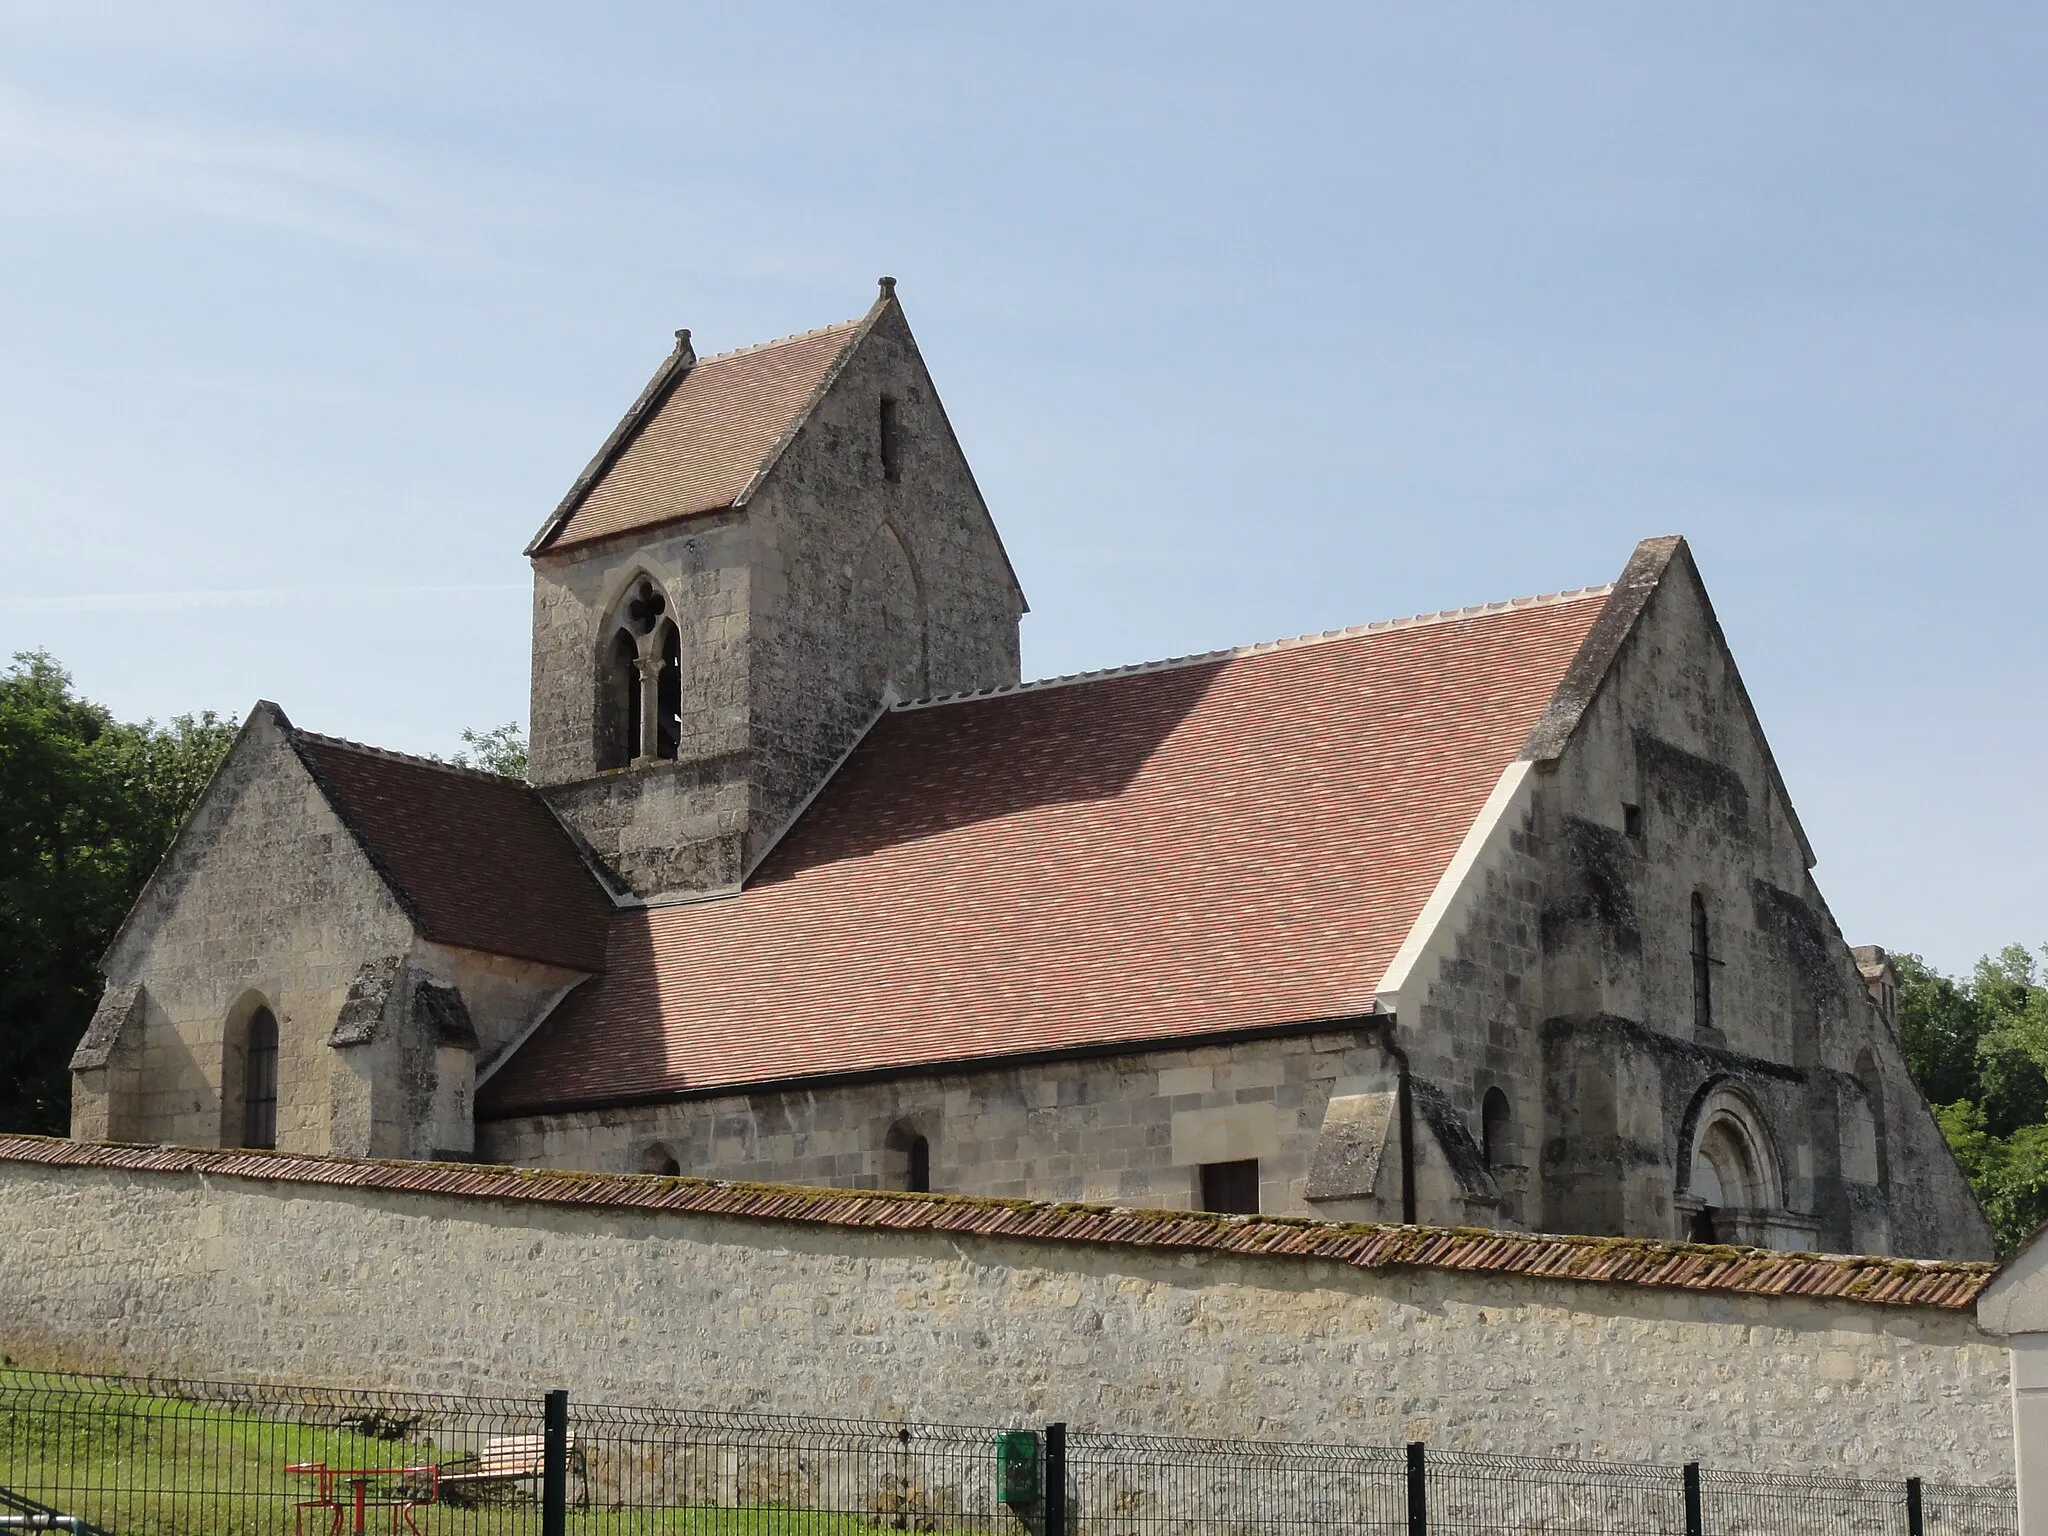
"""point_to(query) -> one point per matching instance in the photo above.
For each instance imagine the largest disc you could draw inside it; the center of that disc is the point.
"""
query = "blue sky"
(1253, 321)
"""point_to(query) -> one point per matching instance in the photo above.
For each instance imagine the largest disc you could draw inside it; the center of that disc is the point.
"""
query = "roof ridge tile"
(1258, 647)
(413, 758)
(779, 341)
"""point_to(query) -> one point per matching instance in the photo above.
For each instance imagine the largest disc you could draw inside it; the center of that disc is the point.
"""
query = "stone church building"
(1499, 917)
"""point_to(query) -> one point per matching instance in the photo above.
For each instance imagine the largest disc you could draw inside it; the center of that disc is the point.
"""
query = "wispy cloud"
(245, 597)
(288, 181)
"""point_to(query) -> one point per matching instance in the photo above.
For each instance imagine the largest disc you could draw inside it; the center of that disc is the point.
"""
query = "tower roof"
(702, 434)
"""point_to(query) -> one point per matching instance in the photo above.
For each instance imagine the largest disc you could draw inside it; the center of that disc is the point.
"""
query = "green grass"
(140, 1463)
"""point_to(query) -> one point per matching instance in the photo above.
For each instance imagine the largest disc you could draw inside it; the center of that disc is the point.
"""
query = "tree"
(500, 750)
(1979, 1050)
(87, 807)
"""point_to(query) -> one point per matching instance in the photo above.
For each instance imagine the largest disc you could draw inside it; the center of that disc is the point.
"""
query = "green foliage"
(87, 807)
(1979, 1050)
(500, 750)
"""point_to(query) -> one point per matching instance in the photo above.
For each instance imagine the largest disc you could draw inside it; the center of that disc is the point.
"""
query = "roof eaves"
(671, 373)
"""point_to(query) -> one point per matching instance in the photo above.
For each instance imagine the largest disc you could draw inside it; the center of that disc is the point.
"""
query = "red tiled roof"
(1231, 843)
(1613, 1260)
(702, 445)
(480, 860)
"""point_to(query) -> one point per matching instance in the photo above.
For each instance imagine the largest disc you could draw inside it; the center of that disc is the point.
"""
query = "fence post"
(1916, 1522)
(1055, 1495)
(1418, 1491)
(1695, 1519)
(554, 1465)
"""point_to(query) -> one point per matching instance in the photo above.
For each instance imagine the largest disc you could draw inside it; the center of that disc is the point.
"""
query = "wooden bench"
(516, 1459)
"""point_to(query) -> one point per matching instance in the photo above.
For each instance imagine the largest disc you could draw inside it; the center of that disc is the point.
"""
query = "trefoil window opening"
(622, 703)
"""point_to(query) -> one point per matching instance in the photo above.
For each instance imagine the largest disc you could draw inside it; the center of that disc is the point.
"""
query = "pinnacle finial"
(682, 338)
(888, 287)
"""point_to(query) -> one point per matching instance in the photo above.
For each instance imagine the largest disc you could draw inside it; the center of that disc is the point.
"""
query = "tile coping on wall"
(1944, 1284)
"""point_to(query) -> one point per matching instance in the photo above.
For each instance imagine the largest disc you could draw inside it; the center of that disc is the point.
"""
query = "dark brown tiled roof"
(703, 445)
(1612, 1260)
(479, 860)
(1234, 843)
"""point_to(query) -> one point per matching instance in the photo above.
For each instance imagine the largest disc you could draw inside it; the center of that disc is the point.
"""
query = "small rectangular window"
(1632, 820)
(1232, 1188)
(892, 441)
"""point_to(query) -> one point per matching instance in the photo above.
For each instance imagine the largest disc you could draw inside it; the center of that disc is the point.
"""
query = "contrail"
(247, 597)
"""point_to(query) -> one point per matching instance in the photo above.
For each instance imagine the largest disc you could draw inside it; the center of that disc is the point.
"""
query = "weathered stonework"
(265, 901)
(229, 1277)
(1558, 983)
(268, 901)
(836, 586)
(1551, 1048)
(1568, 987)
(1127, 1130)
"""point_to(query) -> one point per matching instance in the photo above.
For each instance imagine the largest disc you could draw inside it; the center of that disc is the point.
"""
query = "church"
(1499, 917)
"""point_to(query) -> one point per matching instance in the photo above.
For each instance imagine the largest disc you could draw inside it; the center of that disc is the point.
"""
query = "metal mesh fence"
(1748, 1504)
(642, 1469)
(158, 1458)
(1132, 1485)
(1467, 1492)
(1959, 1509)
(131, 1457)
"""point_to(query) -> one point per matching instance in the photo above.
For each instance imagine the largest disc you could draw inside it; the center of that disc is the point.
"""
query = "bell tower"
(773, 546)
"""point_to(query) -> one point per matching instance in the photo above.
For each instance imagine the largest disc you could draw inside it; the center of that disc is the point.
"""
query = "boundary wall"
(687, 1293)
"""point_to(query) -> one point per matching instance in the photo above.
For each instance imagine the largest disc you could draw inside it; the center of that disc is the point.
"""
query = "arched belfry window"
(259, 1081)
(1702, 967)
(668, 692)
(640, 693)
(621, 723)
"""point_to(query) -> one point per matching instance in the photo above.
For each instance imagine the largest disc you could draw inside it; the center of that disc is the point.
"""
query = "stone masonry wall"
(1581, 933)
(266, 900)
(1128, 1130)
(230, 1277)
(1672, 733)
(670, 825)
(840, 584)
(1477, 1028)
(863, 582)
(701, 567)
